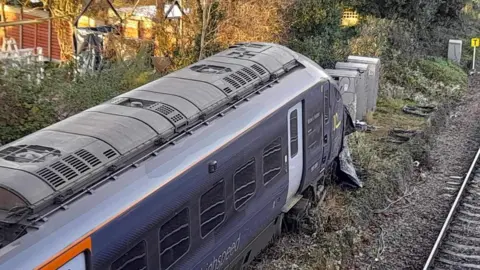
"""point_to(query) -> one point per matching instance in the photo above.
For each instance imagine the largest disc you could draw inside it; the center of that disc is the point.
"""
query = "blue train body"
(206, 193)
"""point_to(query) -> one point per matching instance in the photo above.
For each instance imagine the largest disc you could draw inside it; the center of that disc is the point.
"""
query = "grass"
(345, 223)
(341, 220)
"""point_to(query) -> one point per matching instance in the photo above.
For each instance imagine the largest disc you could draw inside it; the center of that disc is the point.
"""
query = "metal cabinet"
(373, 75)
(363, 89)
(348, 83)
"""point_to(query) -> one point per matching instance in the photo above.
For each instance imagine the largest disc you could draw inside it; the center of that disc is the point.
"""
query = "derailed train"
(195, 170)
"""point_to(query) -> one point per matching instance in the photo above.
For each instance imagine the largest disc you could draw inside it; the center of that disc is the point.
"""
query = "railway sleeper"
(460, 239)
(460, 257)
(443, 263)
(464, 248)
(466, 230)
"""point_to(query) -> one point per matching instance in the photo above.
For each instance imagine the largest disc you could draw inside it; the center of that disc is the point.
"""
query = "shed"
(31, 29)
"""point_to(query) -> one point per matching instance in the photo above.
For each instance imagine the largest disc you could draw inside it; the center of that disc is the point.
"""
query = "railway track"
(458, 244)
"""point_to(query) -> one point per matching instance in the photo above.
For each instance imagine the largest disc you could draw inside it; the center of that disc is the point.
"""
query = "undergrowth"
(27, 105)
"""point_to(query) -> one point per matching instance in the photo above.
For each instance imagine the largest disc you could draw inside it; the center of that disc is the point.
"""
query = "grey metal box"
(374, 67)
(455, 50)
(348, 82)
(363, 89)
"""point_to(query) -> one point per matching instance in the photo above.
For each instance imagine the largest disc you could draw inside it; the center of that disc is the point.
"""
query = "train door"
(295, 148)
(327, 123)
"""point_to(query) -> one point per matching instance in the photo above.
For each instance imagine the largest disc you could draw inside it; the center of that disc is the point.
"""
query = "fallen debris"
(364, 127)
(423, 111)
(400, 136)
(406, 194)
(347, 171)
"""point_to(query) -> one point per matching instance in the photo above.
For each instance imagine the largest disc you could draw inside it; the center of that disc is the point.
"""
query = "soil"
(409, 229)
(403, 230)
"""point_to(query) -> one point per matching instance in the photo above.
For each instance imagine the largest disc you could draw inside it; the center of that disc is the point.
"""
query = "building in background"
(29, 30)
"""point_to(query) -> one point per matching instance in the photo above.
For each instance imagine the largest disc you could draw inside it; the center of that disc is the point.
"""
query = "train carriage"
(195, 170)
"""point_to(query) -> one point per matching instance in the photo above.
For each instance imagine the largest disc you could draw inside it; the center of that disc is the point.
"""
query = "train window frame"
(338, 94)
(224, 203)
(189, 236)
(281, 160)
(326, 104)
(291, 142)
(145, 245)
(239, 169)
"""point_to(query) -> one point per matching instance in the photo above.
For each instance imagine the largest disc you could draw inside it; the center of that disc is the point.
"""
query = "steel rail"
(451, 213)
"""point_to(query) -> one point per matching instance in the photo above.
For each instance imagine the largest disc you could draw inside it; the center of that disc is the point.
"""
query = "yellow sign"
(475, 42)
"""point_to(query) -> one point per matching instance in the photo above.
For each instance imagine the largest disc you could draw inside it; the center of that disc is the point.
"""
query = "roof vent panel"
(88, 157)
(51, 177)
(232, 82)
(258, 69)
(64, 170)
(238, 79)
(250, 72)
(171, 113)
(76, 163)
(244, 76)
(109, 153)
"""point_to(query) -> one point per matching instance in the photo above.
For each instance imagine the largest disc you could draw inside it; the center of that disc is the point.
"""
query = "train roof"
(47, 166)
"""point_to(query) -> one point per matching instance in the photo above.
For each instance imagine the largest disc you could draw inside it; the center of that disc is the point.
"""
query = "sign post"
(475, 44)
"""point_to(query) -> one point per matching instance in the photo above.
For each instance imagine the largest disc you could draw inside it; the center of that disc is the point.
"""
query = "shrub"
(422, 11)
(27, 106)
(315, 31)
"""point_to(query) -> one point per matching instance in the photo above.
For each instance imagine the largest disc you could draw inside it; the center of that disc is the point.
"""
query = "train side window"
(174, 238)
(293, 133)
(135, 258)
(244, 181)
(272, 160)
(212, 208)
(326, 104)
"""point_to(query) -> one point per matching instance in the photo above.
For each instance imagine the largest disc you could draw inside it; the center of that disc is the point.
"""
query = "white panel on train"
(295, 149)
(77, 263)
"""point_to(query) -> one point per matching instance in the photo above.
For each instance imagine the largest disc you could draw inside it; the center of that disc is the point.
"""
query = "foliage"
(28, 106)
(444, 71)
(314, 30)
(423, 80)
(423, 12)
(25, 107)
(373, 37)
(251, 21)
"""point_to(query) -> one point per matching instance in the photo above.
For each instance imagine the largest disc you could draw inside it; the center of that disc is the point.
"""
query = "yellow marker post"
(475, 44)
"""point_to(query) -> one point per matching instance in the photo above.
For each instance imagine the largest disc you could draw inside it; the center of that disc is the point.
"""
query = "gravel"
(410, 230)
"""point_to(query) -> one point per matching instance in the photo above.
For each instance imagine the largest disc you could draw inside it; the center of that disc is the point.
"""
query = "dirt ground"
(409, 229)
(391, 223)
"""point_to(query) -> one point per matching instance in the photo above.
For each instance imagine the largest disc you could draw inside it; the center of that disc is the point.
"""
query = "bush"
(314, 30)
(444, 71)
(27, 106)
(423, 12)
